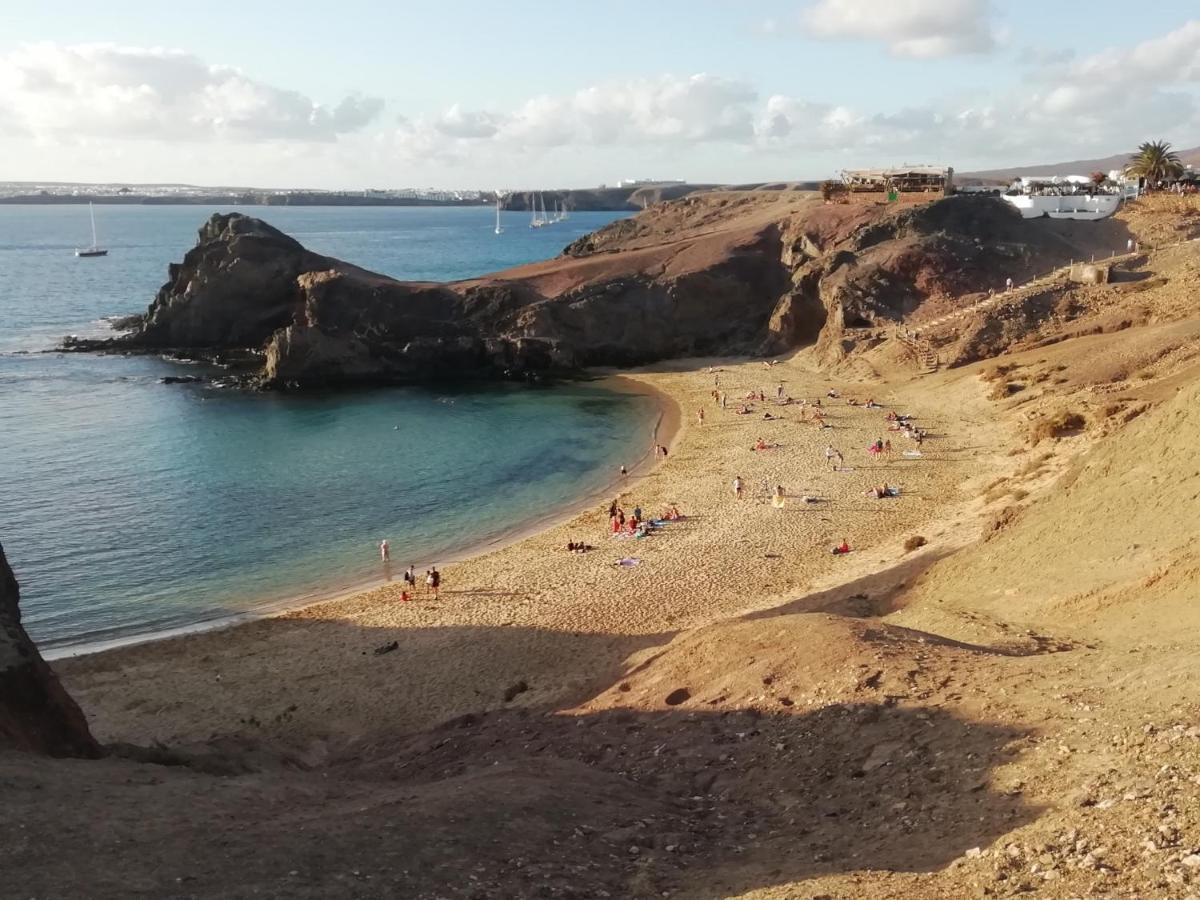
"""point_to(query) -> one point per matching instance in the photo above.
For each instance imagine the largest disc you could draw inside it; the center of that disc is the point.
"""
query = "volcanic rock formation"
(719, 273)
(36, 714)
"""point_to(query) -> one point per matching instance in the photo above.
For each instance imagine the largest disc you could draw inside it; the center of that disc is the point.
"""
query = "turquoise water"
(128, 506)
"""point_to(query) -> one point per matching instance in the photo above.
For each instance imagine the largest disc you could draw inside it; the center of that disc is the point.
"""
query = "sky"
(524, 94)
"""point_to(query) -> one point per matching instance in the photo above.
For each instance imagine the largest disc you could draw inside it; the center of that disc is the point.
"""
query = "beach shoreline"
(666, 427)
(566, 624)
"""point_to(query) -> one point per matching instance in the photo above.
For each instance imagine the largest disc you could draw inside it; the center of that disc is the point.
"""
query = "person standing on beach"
(737, 487)
(433, 581)
(722, 399)
(779, 391)
(410, 578)
(700, 416)
(832, 454)
(385, 552)
(624, 471)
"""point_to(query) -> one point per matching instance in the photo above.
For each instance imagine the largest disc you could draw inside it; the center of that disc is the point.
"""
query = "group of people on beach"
(815, 412)
(636, 524)
(432, 579)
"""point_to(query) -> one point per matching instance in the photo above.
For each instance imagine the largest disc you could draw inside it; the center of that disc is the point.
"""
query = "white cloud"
(921, 29)
(669, 108)
(457, 122)
(153, 110)
(102, 90)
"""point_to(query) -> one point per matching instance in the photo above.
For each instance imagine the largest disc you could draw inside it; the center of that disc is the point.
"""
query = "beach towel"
(912, 454)
(628, 562)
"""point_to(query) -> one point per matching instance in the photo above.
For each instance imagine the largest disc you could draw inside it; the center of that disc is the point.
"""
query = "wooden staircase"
(921, 350)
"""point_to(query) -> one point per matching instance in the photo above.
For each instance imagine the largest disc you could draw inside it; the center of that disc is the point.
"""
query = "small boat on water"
(499, 227)
(540, 219)
(95, 249)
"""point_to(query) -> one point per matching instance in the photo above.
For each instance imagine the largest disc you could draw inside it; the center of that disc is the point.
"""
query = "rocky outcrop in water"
(311, 320)
(37, 715)
(722, 273)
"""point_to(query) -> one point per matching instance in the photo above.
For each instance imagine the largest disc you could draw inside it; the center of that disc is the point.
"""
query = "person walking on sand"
(410, 578)
(1008, 284)
(385, 552)
(700, 416)
(834, 457)
(737, 487)
(624, 471)
(433, 581)
(722, 399)
(779, 391)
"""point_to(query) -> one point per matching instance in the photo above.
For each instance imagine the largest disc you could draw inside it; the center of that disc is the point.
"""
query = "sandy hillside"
(1007, 709)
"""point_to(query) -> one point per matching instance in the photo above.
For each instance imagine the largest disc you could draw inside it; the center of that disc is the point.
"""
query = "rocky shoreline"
(720, 273)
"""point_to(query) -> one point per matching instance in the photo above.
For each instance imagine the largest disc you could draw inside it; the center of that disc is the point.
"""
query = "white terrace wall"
(1069, 207)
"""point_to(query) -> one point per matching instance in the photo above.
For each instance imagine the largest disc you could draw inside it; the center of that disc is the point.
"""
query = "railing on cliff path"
(927, 356)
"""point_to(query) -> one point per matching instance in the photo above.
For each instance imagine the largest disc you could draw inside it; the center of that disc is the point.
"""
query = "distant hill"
(1072, 167)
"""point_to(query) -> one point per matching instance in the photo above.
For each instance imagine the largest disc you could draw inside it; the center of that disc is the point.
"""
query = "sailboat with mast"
(539, 219)
(95, 249)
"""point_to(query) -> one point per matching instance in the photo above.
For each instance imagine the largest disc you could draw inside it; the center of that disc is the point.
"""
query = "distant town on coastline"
(623, 194)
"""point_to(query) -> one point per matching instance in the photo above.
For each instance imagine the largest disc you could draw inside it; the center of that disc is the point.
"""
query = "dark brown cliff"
(37, 715)
(722, 273)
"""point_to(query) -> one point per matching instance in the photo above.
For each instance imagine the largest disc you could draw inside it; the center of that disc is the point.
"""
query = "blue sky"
(523, 93)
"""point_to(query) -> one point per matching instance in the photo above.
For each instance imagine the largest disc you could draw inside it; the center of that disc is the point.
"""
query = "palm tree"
(1155, 162)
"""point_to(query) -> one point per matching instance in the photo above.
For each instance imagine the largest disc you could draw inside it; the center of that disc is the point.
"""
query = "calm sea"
(128, 506)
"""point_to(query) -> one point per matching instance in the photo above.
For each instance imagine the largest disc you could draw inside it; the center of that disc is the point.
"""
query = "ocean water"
(128, 506)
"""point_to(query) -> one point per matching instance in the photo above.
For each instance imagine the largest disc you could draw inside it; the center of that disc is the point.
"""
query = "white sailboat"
(539, 219)
(499, 227)
(95, 249)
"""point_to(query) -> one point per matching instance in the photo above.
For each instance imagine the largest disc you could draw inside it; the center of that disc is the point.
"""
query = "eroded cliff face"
(724, 273)
(36, 714)
(319, 321)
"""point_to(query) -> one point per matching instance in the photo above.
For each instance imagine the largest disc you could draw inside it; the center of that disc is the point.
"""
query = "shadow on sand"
(520, 800)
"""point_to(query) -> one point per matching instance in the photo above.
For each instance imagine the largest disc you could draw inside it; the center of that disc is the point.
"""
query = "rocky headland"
(718, 273)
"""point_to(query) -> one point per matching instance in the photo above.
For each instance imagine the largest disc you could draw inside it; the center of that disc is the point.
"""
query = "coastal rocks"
(232, 289)
(36, 714)
(248, 292)
(723, 273)
(181, 379)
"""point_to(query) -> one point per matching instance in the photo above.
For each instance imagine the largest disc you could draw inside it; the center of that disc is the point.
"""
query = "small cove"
(128, 506)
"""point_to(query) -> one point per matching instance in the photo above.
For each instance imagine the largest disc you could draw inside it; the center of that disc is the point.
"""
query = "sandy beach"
(546, 628)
